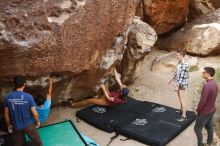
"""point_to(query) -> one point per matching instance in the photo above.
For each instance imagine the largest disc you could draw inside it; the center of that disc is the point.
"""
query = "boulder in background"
(162, 15)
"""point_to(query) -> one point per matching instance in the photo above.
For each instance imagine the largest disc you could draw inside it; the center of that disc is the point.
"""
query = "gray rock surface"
(71, 39)
(199, 37)
(141, 38)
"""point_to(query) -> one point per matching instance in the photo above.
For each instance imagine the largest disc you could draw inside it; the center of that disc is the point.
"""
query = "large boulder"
(215, 3)
(198, 8)
(69, 38)
(200, 37)
(141, 38)
(169, 61)
(162, 15)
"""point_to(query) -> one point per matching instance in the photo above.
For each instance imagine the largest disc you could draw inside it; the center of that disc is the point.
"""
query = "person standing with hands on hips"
(18, 110)
(206, 108)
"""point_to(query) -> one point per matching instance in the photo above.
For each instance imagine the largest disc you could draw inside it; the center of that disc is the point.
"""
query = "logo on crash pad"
(99, 110)
(159, 110)
(140, 122)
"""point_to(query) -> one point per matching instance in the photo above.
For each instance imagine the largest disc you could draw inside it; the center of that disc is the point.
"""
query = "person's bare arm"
(118, 78)
(49, 94)
(35, 115)
(7, 116)
(172, 77)
(106, 93)
(170, 81)
(107, 90)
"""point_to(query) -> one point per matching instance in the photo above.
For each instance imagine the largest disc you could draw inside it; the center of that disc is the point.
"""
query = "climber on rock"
(43, 104)
(109, 98)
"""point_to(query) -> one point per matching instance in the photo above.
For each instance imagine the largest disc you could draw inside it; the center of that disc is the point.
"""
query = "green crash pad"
(60, 134)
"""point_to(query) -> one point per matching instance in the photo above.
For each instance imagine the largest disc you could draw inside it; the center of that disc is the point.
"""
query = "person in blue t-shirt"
(43, 104)
(18, 111)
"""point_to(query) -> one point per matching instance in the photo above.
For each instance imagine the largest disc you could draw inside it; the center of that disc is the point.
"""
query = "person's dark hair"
(124, 92)
(182, 53)
(40, 100)
(19, 81)
(210, 70)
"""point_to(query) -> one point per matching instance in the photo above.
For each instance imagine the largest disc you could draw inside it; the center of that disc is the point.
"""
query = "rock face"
(69, 38)
(141, 38)
(200, 37)
(198, 8)
(215, 3)
(163, 16)
(168, 62)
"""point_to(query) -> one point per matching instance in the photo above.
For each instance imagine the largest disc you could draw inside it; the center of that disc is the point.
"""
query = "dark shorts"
(181, 87)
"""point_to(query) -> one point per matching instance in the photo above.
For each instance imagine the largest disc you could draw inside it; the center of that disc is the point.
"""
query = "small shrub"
(193, 68)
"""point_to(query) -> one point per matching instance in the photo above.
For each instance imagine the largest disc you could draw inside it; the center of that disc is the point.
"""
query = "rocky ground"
(149, 86)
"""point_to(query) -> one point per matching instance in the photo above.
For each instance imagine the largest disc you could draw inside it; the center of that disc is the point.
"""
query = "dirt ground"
(149, 86)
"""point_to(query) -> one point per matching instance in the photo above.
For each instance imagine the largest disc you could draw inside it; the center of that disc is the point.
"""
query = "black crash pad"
(111, 118)
(156, 128)
(6, 140)
(148, 131)
(108, 118)
(170, 116)
(160, 126)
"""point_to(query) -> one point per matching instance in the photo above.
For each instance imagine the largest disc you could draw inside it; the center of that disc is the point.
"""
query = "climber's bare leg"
(92, 101)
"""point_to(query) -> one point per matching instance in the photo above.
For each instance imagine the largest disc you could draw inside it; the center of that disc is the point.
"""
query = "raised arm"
(118, 78)
(49, 94)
